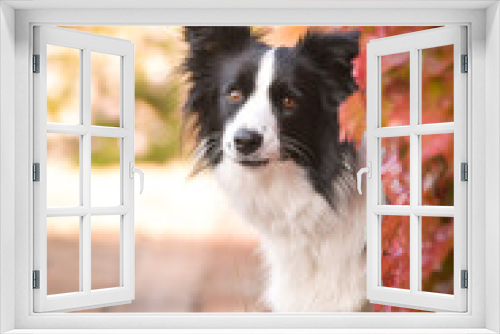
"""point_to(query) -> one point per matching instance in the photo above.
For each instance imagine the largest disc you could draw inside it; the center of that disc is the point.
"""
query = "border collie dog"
(267, 126)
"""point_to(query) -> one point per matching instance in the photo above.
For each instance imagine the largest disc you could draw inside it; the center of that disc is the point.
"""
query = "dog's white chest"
(325, 277)
(313, 253)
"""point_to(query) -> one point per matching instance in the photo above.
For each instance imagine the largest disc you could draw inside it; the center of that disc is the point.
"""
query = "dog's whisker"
(302, 150)
(207, 140)
(214, 136)
(202, 151)
(288, 150)
(203, 148)
(205, 161)
(303, 155)
(201, 156)
(298, 143)
(198, 167)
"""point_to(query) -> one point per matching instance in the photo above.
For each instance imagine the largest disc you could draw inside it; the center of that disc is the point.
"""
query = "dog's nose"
(247, 141)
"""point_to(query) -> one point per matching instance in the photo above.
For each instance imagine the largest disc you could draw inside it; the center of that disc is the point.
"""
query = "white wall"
(7, 124)
(492, 165)
(193, 16)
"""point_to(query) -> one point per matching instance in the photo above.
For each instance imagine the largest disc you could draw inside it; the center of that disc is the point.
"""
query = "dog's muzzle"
(246, 143)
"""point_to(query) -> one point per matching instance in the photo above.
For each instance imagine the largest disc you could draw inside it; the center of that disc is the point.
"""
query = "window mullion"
(82, 130)
(414, 170)
(419, 129)
(85, 244)
(433, 128)
(406, 210)
(82, 211)
(392, 131)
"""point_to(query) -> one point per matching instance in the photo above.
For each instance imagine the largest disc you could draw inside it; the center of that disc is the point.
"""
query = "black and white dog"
(267, 126)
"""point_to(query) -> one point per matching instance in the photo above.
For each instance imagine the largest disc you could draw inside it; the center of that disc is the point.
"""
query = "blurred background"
(193, 254)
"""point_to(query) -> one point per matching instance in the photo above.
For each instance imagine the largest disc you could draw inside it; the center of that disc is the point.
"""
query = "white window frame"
(413, 43)
(86, 44)
(483, 21)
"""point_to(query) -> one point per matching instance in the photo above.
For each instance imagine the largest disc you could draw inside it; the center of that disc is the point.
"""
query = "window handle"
(133, 170)
(368, 171)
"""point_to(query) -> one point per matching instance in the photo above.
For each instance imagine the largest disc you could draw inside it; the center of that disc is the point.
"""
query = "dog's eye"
(288, 103)
(235, 95)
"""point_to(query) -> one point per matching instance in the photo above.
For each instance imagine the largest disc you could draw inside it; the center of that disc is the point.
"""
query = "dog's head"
(255, 105)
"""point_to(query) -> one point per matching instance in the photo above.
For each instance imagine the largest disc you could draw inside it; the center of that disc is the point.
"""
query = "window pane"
(437, 84)
(105, 251)
(63, 170)
(437, 254)
(63, 85)
(105, 93)
(105, 171)
(63, 255)
(395, 246)
(395, 170)
(395, 89)
(437, 169)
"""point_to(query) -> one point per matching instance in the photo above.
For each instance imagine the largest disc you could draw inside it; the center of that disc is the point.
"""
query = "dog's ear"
(211, 41)
(341, 45)
(208, 48)
(332, 55)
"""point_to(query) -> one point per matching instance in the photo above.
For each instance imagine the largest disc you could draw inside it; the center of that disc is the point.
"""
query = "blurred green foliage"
(158, 93)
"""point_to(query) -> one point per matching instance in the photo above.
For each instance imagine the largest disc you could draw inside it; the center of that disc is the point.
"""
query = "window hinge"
(36, 172)
(465, 279)
(36, 279)
(36, 63)
(464, 172)
(465, 64)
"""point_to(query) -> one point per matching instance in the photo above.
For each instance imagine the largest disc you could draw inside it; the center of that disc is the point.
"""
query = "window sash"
(413, 298)
(86, 297)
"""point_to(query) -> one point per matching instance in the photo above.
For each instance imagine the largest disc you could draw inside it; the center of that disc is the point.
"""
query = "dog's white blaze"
(256, 113)
(265, 74)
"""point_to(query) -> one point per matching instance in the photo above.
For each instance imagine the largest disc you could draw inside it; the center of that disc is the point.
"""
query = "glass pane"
(395, 245)
(437, 254)
(437, 169)
(63, 170)
(395, 89)
(395, 170)
(63, 85)
(105, 251)
(437, 84)
(105, 92)
(105, 171)
(63, 255)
